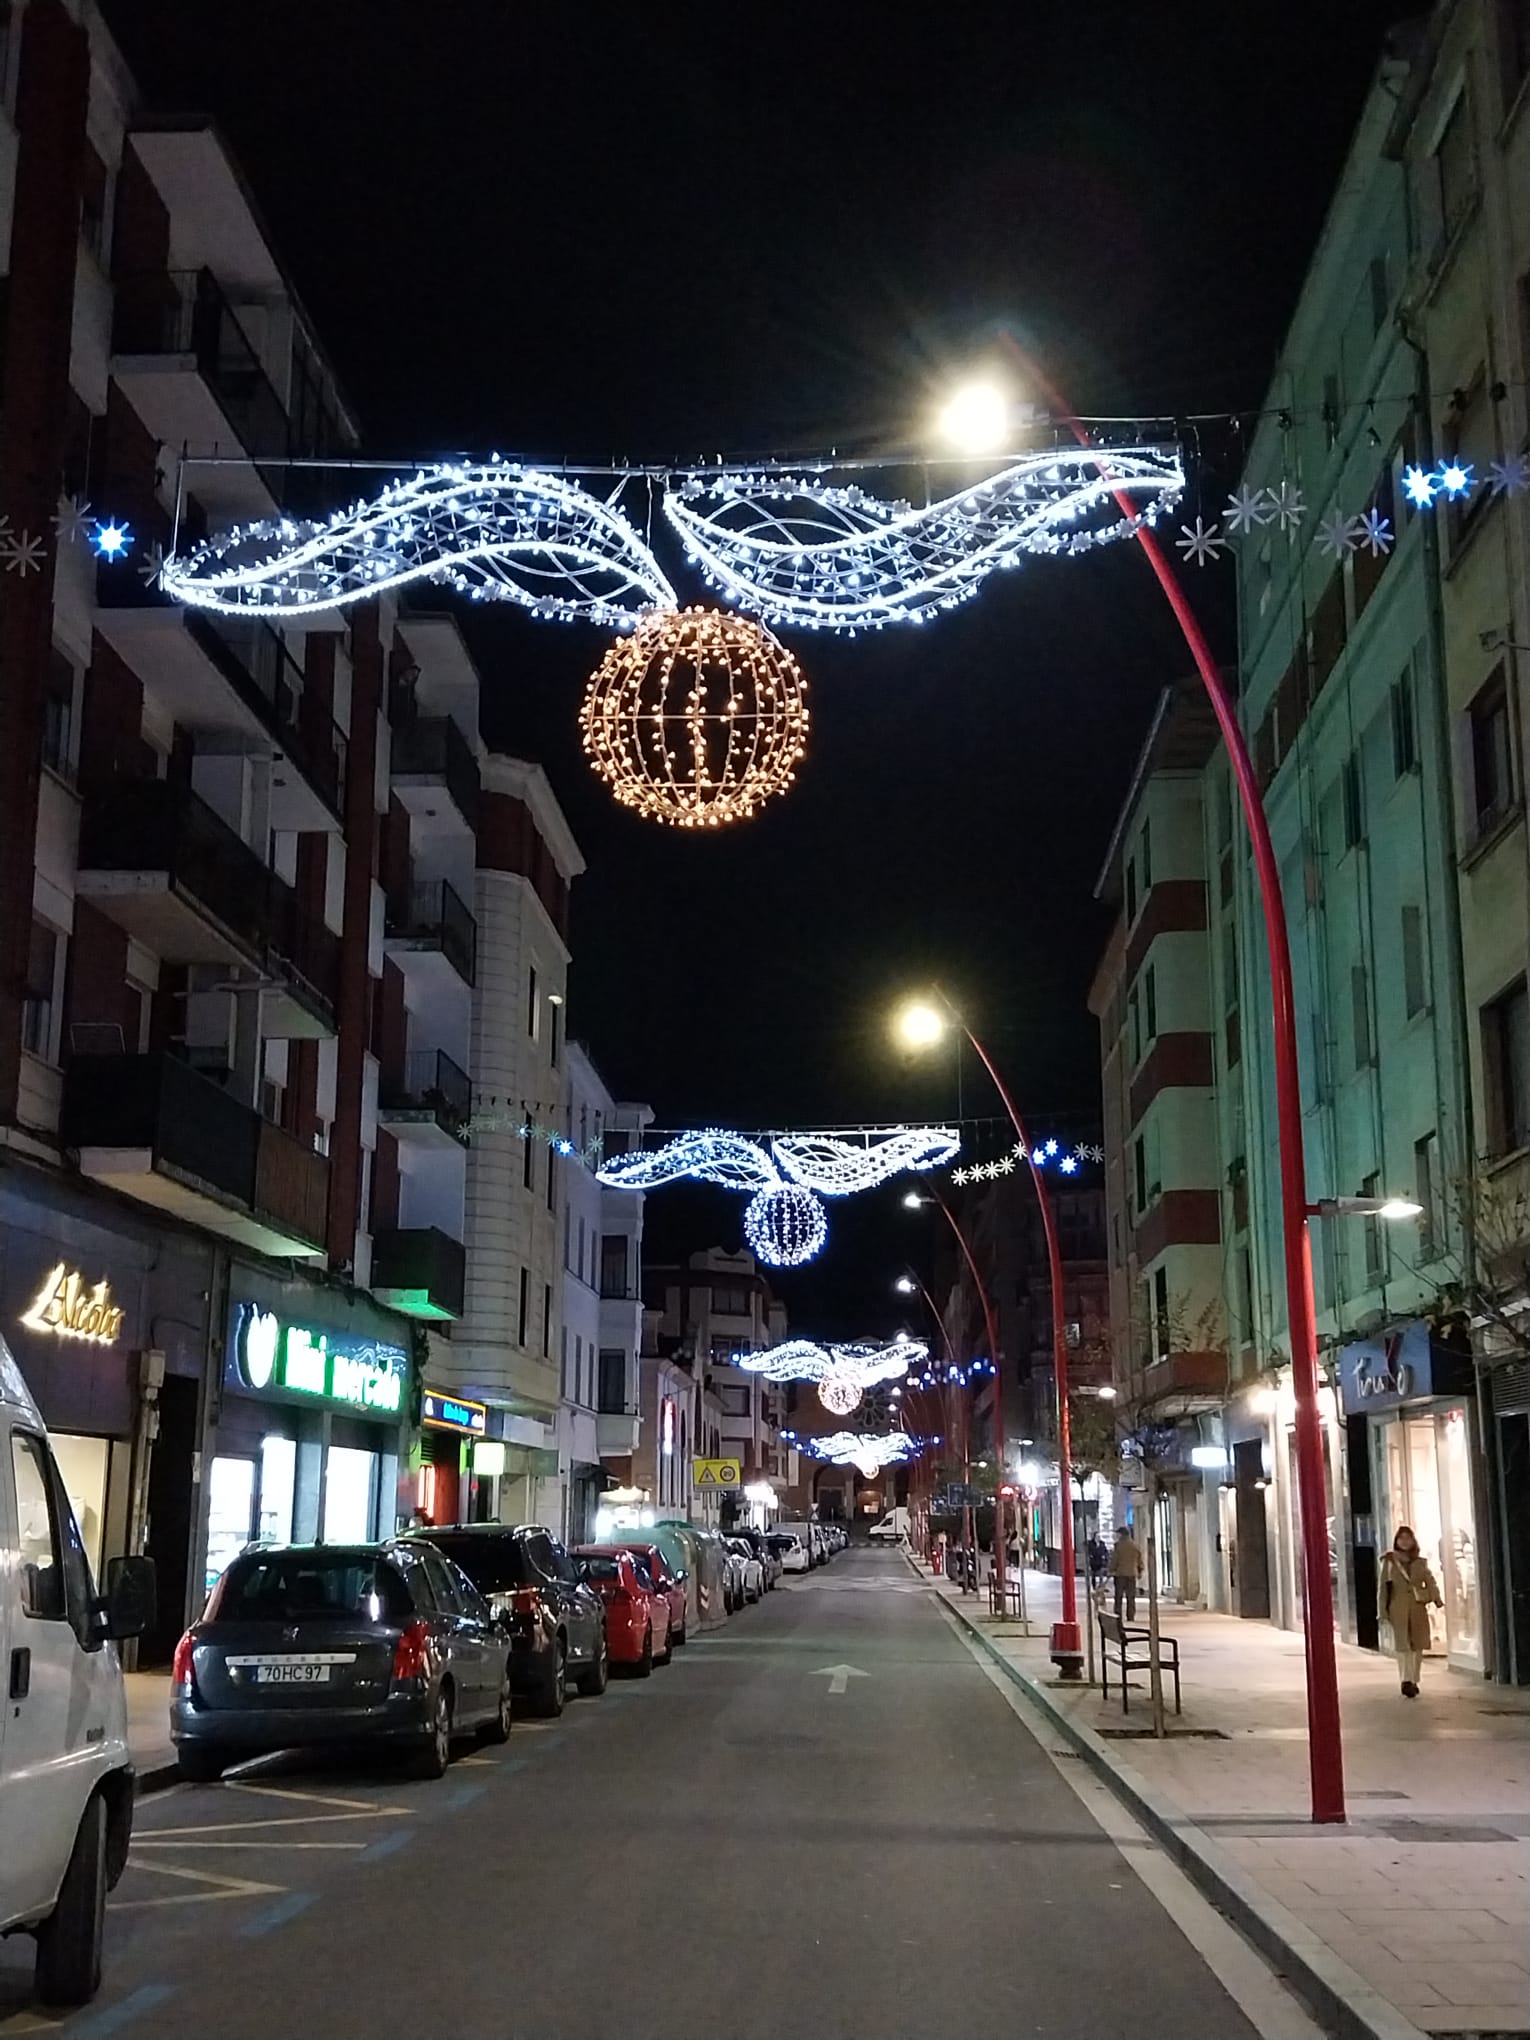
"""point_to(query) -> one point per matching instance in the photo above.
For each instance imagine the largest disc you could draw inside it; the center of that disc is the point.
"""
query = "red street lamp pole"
(1325, 1743)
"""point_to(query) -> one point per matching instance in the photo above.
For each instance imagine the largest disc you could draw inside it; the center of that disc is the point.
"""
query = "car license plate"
(295, 1674)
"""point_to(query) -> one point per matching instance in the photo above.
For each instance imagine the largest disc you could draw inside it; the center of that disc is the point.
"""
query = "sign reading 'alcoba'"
(71, 1308)
(296, 1363)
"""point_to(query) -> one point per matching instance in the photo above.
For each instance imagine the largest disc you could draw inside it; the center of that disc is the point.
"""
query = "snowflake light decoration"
(787, 1179)
(112, 540)
(1048, 1154)
(72, 521)
(22, 553)
(1201, 542)
(1288, 506)
(696, 719)
(1248, 509)
(1510, 476)
(1337, 534)
(1374, 532)
(493, 530)
(803, 550)
(1420, 486)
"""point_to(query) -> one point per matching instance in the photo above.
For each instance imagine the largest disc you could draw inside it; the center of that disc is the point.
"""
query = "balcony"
(427, 926)
(303, 954)
(435, 774)
(190, 371)
(154, 1129)
(616, 1433)
(233, 679)
(164, 867)
(430, 1103)
(419, 1270)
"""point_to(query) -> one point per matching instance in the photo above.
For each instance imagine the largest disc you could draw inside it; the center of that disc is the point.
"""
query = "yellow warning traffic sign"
(717, 1473)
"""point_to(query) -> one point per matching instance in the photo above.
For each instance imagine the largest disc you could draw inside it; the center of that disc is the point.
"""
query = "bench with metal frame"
(1117, 1637)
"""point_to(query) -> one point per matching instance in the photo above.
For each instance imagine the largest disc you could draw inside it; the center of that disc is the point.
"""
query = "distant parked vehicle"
(893, 1528)
(759, 1544)
(796, 1555)
(753, 1568)
(811, 1538)
(557, 1626)
(669, 1583)
(637, 1614)
(337, 1644)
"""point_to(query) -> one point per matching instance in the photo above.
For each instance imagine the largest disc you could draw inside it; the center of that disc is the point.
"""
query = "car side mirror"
(129, 1598)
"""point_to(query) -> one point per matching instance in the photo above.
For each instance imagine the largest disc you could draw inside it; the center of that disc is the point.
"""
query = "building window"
(1375, 1238)
(1131, 891)
(1150, 1003)
(563, 1368)
(613, 1381)
(1139, 1173)
(613, 1265)
(528, 1161)
(39, 1010)
(1351, 793)
(1360, 1013)
(568, 1221)
(1161, 1339)
(1425, 1187)
(1493, 786)
(58, 716)
(1134, 1025)
(1404, 740)
(1381, 295)
(1455, 167)
(1415, 988)
(1147, 857)
(578, 1395)
(554, 1030)
(547, 1326)
(533, 1006)
(1471, 437)
(1506, 1069)
(552, 1180)
(525, 1310)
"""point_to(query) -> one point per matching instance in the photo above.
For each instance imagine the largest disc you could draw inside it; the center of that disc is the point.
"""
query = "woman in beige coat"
(1405, 1592)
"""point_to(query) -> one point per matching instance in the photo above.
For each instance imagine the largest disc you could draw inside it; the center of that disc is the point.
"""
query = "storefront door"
(350, 1495)
(1423, 1473)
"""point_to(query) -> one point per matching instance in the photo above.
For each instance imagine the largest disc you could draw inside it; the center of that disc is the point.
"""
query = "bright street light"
(919, 1024)
(904, 1285)
(976, 418)
(1393, 1209)
(912, 1200)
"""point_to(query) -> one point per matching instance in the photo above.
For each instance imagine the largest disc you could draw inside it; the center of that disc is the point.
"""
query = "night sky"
(677, 231)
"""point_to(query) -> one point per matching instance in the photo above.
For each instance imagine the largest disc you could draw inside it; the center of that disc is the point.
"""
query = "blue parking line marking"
(112, 2018)
(277, 1915)
(462, 1795)
(385, 1845)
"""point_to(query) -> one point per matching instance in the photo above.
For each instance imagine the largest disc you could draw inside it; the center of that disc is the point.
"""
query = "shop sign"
(68, 1307)
(272, 1356)
(1379, 1374)
(453, 1413)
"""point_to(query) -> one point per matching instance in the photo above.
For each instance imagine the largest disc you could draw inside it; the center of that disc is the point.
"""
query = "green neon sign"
(297, 1363)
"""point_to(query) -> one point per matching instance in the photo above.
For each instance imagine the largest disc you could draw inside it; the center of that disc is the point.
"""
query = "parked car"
(670, 1583)
(557, 1626)
(796, 1554)
(637, 1614)
(752, 1567)
(66, 1774)
(733, 1579)
(759, 1544)
(306, 1644)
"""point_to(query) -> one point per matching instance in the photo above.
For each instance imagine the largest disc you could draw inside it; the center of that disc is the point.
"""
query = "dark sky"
(675, 230)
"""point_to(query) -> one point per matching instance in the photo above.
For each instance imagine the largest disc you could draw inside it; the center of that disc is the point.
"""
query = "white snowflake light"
(72, 521)
(800, 549)
(493, 530)
(1509, 476)
(1288, 506)
(1455, 479)
(1337, 534)
(1420, 487)
(1201, 542)
(1248, 509)
(1374, 532)
(112, 540)
(23, 554)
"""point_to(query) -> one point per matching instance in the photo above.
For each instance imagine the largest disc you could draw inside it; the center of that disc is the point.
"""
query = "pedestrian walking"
(1126, 1570)
(1405, 1592)
(1099, 1560)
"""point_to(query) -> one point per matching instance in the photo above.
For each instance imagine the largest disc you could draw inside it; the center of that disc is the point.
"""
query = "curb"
(1336, 1994)
(157, 1778)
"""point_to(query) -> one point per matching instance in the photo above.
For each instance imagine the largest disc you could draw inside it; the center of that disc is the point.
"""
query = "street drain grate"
(1147, 1735)
(1427, 1831)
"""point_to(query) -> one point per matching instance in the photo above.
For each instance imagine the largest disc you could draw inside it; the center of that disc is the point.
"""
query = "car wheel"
(669, 1648)
(555, 1692)
(644, 1666)
(677, 1641)
(498, 1730)
(199, 1767)
(593, 1682)
(437, 1752)
(69, 1940)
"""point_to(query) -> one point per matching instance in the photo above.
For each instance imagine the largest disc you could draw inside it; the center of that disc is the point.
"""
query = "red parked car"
(637, 1614)
(668, 1584)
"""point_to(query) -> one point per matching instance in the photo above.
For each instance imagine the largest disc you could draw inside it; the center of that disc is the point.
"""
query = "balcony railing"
(161, 825)
(291, 1184)
(254, 657)
(302, 948)
(431, 1083)
(421, 1270)
(185, 312)
(432, 916)
(432, 747)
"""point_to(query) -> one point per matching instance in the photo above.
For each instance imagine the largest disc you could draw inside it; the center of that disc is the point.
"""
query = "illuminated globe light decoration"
(491, 530)
(801, 550)
(795, 1172)
(842, 1373)
(839, 1395)
(697, 719)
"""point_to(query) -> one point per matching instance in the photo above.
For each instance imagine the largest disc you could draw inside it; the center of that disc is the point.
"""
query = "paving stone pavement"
(1426, 1891)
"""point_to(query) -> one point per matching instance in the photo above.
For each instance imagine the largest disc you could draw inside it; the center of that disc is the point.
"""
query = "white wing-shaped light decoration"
(808, 551)
(870, 1451)
(864, 1361)
(492, 530)
(785, 1223)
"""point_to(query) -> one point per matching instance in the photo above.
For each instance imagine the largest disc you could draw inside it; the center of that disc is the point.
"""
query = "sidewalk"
(1425, 1894)
(148, 1712)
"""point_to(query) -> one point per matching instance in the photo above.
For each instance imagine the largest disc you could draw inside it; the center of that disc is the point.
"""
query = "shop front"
(453, 1429)
(1411, 1408)
(314, 1410)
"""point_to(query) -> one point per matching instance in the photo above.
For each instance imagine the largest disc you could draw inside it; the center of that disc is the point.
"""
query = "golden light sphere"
(697, 718)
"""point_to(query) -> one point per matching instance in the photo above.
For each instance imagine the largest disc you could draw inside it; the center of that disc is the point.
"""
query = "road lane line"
(385, 1845)
(277, 1915)
(222, 1887)
(180, 1842)
(314, 1798)
(113, 2018)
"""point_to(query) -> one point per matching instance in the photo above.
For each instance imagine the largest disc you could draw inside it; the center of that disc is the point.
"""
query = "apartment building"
(191, 936)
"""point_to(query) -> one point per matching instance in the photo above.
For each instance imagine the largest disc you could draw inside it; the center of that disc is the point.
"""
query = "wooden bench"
(1011, 1594)
(1117, 1638)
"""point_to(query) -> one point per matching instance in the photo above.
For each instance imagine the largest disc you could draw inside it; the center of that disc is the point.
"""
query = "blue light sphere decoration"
(785, 1226)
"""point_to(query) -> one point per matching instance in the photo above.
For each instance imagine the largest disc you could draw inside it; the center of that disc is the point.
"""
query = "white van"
(893, 1528)
(66, 1777)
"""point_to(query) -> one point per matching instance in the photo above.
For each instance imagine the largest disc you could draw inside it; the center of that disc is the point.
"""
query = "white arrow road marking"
(222, 1887)
(839, 1676)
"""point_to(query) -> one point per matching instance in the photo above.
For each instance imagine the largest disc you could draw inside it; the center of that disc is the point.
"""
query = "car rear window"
(781, 1541)
(603, 1568)
(491, 1563)
(311, 1586)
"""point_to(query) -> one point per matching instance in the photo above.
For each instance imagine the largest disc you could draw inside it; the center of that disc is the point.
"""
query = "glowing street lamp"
(976, 418)
(919, 1024)
(1393, 1209)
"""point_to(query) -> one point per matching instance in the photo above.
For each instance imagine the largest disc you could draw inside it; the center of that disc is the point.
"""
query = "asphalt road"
(732, 1847)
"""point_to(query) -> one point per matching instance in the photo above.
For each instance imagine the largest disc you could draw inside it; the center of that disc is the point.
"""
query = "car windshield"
(290, 1586)
(491, 1563)
(602, 1568)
